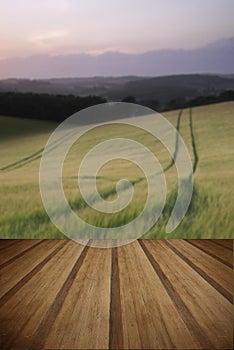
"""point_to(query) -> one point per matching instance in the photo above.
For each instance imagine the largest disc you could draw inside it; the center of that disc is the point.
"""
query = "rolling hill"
(217, 57)
(145, 90)
(207, 132)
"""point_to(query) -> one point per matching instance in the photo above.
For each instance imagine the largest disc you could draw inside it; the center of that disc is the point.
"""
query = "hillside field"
(208, 133)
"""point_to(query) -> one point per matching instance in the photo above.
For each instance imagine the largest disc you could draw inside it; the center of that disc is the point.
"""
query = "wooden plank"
(12, 250)
(116, 325)
(153, 294)
(20, 253)
(227, 243)
(216, 251)
(83, 321)
(213, 271)
(5, 243)
(31, 303)
(150, 318)
(14, 273)
(209, 308)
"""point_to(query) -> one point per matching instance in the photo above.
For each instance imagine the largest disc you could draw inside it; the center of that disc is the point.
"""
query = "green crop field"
(208, 133)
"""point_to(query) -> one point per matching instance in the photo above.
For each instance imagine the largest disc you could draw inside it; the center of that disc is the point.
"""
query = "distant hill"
(150, 91)
(75, 86)
(215, 58)
(164, 89)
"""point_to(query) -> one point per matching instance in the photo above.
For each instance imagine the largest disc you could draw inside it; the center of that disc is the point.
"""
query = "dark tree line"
(60, 107)
(200, 100)
(179, 103)
(44, 106)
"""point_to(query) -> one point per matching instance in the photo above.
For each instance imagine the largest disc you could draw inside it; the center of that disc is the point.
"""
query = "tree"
(44, 106)
(129, 99)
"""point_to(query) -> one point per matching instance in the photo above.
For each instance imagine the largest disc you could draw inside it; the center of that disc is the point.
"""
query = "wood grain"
(215, 250)
(151, 294)
(5, 243)
(83, 321)
(198, 296)
(16, 273)
(116, 324)
(38, 296)
(15, 249)
(227, 243)
(216, 273)
(150, 318)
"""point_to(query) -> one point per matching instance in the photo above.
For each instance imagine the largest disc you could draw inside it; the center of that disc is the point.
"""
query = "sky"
(60, 27)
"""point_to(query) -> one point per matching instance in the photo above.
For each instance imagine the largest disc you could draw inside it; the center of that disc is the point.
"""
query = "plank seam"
(14, 241)
(186, 315)
(211, 254)
(202, 273)
(115, 320)
(45, 326)
(11, 292)
(215, 241)
(11, 260)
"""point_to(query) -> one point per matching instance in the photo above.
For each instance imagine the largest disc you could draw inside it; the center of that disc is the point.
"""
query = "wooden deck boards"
(151, 294)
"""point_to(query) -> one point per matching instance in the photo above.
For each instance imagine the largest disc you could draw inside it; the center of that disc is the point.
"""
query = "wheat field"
(207, 132)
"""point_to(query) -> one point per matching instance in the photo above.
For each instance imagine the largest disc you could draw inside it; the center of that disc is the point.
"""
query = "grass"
(207, 132)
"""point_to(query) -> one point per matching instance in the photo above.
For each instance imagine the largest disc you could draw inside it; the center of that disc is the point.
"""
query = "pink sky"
(30, 27)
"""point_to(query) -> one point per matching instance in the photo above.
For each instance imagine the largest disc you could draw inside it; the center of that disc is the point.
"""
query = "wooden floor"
(155, 294)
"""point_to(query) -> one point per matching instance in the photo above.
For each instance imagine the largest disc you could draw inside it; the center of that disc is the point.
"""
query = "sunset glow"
(92, 26)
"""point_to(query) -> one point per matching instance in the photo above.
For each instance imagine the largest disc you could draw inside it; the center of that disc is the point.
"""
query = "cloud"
(47, 40)
(103, 51)
(49, 36)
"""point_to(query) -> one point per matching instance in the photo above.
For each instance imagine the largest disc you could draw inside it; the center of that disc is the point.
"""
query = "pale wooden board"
(212, 269)
(211, 310)
(12, 250)
(83, 321)
(35, 298)
(149, 294)
(150, 318)
(224, 255)
(13, 273)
